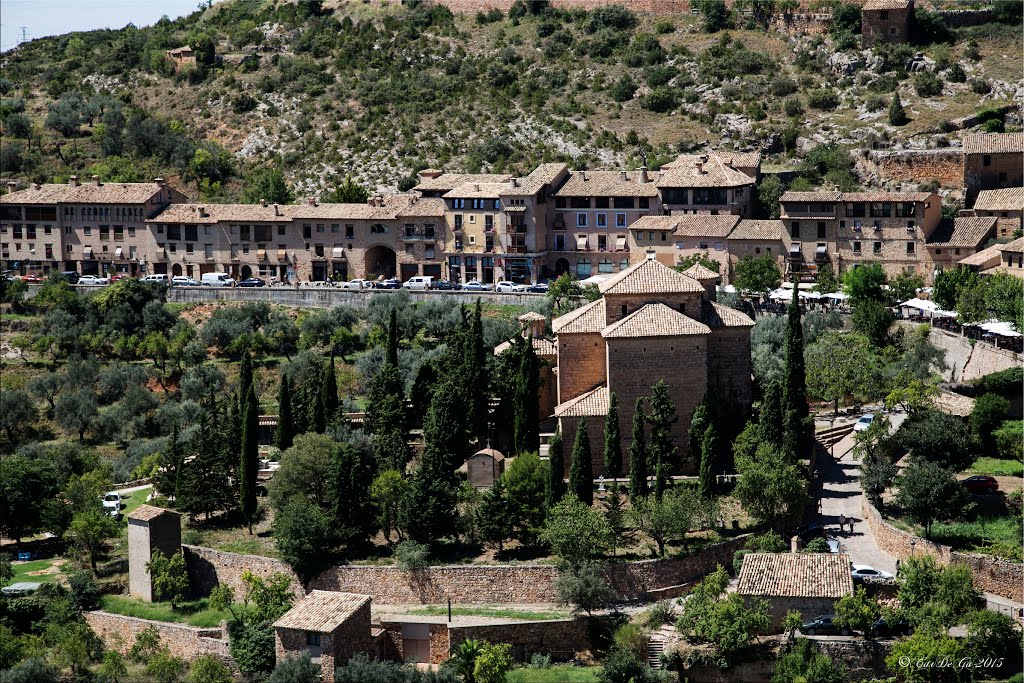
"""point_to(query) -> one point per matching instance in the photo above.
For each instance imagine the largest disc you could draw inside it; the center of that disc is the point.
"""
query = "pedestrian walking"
(842, 523)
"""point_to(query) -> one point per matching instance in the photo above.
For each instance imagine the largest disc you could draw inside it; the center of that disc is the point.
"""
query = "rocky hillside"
(322, 91)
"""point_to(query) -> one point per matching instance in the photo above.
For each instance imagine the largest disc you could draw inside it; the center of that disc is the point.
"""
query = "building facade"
(957, 239)
(885, 21)
(992, 162)
(715, 183)
(1007, 205)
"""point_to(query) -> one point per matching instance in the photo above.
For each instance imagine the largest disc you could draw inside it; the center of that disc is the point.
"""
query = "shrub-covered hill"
(323, 90)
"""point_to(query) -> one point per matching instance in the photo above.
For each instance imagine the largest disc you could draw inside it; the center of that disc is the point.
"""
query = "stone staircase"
(655, 649)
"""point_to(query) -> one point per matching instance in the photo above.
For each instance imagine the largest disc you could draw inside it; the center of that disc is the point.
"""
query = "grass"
(21, 571)
(496, 612)
(196, 613)
(997, 467)
(993, 535)
(562, 673)
(135, 500)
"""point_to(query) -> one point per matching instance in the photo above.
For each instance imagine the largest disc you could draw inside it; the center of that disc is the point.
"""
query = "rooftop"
(835, 196)
(996, 143)
(1015, 247)
(796, 575)
(688, 225)
(84, 193)
(587, 318)
(815, 196)
(1006, 199)
(532, 315)
(708, 170)
(145, 513)
(654, 320)
(877, 5)
(984, 258)
(699, 272)
(650, 277)
(608, 184)
(544, 174)
(474, 190)
(384, 208)
(719, 315)
(322, 611)
(447, 181)
(963, 231)
(586, 405)
(758, 230)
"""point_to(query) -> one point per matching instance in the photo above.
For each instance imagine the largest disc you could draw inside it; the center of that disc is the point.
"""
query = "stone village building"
(651, 323)
(810, 583)
(992, 162)
(885, 21)
(332, 627)
(1007, 205)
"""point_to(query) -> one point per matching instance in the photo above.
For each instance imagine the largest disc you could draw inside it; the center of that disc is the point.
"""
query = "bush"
(623, 90)
(897, 116)
(300, 669)
(664, 26)
(956, 74)
(1008, 439)
(715, 16)
(412, 556)
(988, 414)
(792, 106)
(980, 86)
(661, 100)
(927, 84)
(783, 85)
(874, 103)
(824, 99)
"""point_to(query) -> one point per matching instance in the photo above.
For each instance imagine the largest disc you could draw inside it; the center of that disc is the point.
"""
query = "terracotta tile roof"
(542, 175)
(876, 5)
(447, 181)
(758, 230)
(1006, 199)
(590, 404)
(996, 143)
(700, 225)
(701, 273)
(653, 222)
(85, 193)
(816, 196)
(607, 184)
(587, 318)
(796, 575)
(1015, 247)
(887, 196)
(541, 346)
(712, 170)
(216, 213)
(532, 315)
(718, 315)
(147, 512)
(390, 208)
(963, 231)
(650, 277)
(474, 190)
(654, 320)
(984, 258)
(322, 611)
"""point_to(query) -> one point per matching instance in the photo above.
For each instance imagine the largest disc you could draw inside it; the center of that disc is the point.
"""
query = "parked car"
(31, 279)
(864, 422)
(71, 276)
(217, 280)
(183, 281)
(160, 278)
(447, 285)
(476, 286)
(390, 283)
(112, 503)
(834, 546)
(507, 286)
(355, 284)
(823, 626)
(539, 288)
(862, 571)
(882, 629)
(93, 280)
(252, 282)
(419, 283)
(119, 276)
(981, 483)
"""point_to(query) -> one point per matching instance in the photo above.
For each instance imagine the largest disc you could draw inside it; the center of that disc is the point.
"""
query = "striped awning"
(87, 253)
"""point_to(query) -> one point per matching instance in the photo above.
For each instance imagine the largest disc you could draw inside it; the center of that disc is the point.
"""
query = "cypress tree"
(385, 419)
(525, 418)
(638, 455)
(708, 461)
(285, 422)
(315, 401)
(443, 433)
(422, 389)
(556, 470)
(795, 392)
(897, 115)
(612, 442)
(769, 422)
(330, 391)
(475, 375)
(662, 452)
(244, 380)
(793, 435)
(698, 425)
(352, 472)
(581, 468)
(300, 414)
(391, 346)
(250, 458)
(170, 474)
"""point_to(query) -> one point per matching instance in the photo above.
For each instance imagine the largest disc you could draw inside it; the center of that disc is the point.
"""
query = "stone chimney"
(311, 201)
(796, 544)
(11, 187)
(263, 202)
(650, 256)
(428, 173)
(623, 176)
(277, 210)
(583, 176)
(641, 175)
(96, 180)
(514, 181)
(73, 181)
(203, 213)
(160, 181)
(476, 187)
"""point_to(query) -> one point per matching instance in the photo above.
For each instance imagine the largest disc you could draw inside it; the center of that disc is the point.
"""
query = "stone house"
(91, 228)
(715, 183)
(1012, 258)
(756, 238)
(180, 56)
(149, 529)
(332, 627)
(885, 21)
(810, 583)
(534, 331)
(651, 323)
(992, 162)
(1007, 205)
(676, 237)
(484, 467)
(960, 237)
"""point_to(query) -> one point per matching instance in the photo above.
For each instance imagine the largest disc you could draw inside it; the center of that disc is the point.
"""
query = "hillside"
(381, 91)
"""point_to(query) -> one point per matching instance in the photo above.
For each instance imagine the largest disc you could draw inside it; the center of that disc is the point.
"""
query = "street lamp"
(913, 542)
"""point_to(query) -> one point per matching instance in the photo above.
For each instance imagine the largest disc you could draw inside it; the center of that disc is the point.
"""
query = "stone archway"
(246, 272)
(561, 266)
(380, 261)
(176, 269)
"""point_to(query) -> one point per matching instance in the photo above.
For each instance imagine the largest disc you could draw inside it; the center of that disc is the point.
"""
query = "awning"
(337, 252)
(118, 252)
(838, 296)
(794, 249)
(515, 209)
(282, 255)
(921, 304)
(1000, 328)
(821, 250)
(620, 243)
(261, 254)
(581, 242)
(87, 253)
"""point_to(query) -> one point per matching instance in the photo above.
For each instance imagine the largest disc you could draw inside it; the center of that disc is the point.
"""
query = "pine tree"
(331, 402)
(493, 521)
(352, 473)
(581, 468)
(661, 450)
(638, 455)
(698, 425)
(249, 464)
(769, 421)
(612, 441)
(897, 115)
(285, 422)
(556, 471)
(708, 462)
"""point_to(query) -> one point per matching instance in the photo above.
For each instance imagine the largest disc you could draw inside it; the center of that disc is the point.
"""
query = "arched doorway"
(561, 267)
(246, 272)
(380, 261)
(176, 269)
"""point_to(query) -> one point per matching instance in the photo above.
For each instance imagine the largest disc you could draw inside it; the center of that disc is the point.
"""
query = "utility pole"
(24, 37)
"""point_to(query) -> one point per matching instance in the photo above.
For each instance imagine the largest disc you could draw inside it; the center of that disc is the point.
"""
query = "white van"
(217, 280)
(421, 282)
(161, 278)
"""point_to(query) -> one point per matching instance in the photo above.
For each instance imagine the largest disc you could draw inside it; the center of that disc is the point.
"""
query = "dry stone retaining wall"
(188, 642)
(920, 166)
(991, 575)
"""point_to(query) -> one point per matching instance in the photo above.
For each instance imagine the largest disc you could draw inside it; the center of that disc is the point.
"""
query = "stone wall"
(560, 638)
(465, 584)
(968, 361)
(582, 363)
(920, 166)
(326, 297)
(991, 575)
(118, 633)
(986, 359)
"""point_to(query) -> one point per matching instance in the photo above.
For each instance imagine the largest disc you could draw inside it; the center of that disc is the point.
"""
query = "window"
(645, 203)
(318, 250)
(602, 220)
(454, 262)
(623, 202)
(428, 232)
(602, 243)
(605, 266)
(620, 220)
(559, 202)
(188, 248)
(49, 252)
(118, 233)
(876, 248)
(719, 246)
(104, 232)
(70, 248)
(207, 251)
(47, 230)
(938, 252)
(410, 249)
(581, 220)
(703, 245)
(986, 160)
(842, 224)
(280, 231)
(856, 247)
(191, 233)
(489, 243)
(335, 228)
(17, 232)
(497, 204)
(430, 252)
(174, 248)
(583, 268)
(601, 202)
(910, 247)
(472, 239)
(458, 221)
(821, 230)
(883, 15)
(471, 262)
(488, 222)
(559, 242)
(794, 229)
(472, 218)
(312, 639)
(350, 231)
(307, 231)
(244, 233)
(320, 227)
(458, 203)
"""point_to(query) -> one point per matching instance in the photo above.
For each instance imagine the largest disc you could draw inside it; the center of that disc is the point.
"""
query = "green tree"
(927, 492)
(252, 648)
(576, 532)
(168, 577)
(296, 669)
(988, 413)
(699, 423)
(208, 669)
(668, 519)
(708, 462)
(865, 283)
(857, 611)
(330, 393)
(584, 587)
(925, 645)
(615, 517)
(661, 451)
(897, 115)
(17, 412)
(556, 471)
(771, 487)
(949, 284)
(352, 472)
(113, 668)
(347, 192)
(795, 381)
(524, 482)
(429, 507)
(267, 184)
(386, 492)
(903, 286)
(306, 537)
(385, 418)
(304, 471)
(873, 319)
(638, 455)
(525, 400)
(715, 15)
(937, 437)
(249, 463)
(462, 659)
(285, 423)
(493, 663)
(805, 663)
(76, 410)
(581, 469)
(493, 522)
(612, 442)
(840, 365)
(827, 281)
(164, 667)
(89, 531)
(725, 620)
(758, 274)
(769, 192)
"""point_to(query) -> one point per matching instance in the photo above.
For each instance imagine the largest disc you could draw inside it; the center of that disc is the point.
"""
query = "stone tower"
(149, 528)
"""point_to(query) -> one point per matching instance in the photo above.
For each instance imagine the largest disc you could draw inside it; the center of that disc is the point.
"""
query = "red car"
(981, 483)
(119, 276)
(31, 279)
